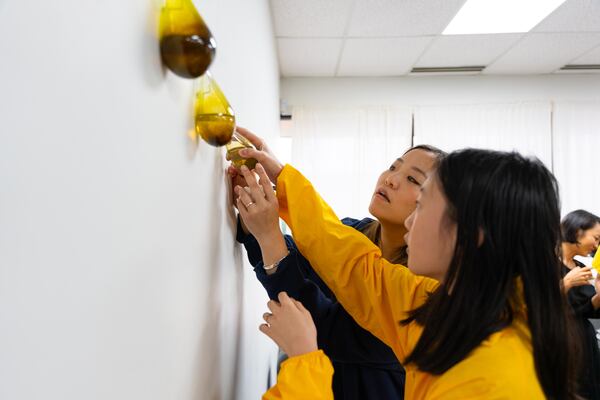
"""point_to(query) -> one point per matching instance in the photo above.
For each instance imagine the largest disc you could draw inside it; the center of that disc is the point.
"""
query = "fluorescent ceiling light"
(500, 16)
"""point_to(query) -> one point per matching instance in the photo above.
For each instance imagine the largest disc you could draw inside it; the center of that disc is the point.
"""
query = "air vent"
(426, 70)
(580, 67)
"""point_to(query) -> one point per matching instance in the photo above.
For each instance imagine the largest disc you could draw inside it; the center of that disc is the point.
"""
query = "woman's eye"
(413, 180)
(392, 167)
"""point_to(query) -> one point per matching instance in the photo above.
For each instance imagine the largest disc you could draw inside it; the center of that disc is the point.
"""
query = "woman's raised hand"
(258, 205)
(262, 154)
(290, 325)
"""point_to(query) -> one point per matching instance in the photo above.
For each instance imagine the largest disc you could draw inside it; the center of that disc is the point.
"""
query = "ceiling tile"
(464, 50)
(591, 57)
(540, 53)
(368, 33)
(381, 57)
(311, 18)
(378, 18)
(308, 57)
(572, 16)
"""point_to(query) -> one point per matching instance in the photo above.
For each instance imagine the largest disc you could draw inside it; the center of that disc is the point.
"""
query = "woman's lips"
(383, 197)
(381, 193)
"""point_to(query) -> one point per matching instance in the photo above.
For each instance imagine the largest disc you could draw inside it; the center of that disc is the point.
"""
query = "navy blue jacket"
(365, 368)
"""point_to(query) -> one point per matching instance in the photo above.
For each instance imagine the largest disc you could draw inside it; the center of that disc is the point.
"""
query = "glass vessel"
(214, 117)
(238, 142)
(187, 47)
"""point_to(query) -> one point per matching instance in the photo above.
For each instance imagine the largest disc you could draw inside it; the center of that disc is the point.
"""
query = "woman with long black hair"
(480, 313)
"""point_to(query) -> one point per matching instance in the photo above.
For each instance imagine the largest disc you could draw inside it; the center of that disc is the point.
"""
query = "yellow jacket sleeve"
(304, 377)
(376, 293)
(596, 261)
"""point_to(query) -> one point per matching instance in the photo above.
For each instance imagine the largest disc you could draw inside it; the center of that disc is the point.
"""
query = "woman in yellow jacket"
(479, 315)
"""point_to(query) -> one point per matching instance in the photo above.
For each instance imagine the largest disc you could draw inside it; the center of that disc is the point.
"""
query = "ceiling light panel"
(500, 16)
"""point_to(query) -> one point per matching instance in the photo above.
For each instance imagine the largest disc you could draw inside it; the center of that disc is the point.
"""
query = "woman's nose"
(392, 181)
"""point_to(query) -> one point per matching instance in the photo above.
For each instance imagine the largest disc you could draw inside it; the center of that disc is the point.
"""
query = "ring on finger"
(249, 204)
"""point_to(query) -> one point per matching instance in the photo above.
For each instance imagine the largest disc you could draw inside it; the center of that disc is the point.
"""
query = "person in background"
(365, 368)
(480, 314)
(581, 235)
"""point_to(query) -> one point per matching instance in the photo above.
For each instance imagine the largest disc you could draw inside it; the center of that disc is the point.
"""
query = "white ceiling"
(389, 37)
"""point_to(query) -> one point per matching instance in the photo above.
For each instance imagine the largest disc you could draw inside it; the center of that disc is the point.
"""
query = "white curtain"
(576, 139)
(343, 151)
(525, 127)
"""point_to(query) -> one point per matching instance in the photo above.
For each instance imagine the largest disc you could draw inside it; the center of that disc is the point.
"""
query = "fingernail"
(259, 165)
(244, 168)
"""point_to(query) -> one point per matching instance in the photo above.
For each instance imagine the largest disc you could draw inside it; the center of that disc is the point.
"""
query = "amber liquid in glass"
(238, 142)
(187, 46)
(215, 129)
(187, 56)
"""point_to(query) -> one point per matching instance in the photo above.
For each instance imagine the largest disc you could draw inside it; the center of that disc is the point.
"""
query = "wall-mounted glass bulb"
(214, 117)
(186, 45)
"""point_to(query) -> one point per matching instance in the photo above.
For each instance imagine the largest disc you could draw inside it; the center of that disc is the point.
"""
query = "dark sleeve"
(250, 244)
(580, 298)
(255, 258)
(338, 334)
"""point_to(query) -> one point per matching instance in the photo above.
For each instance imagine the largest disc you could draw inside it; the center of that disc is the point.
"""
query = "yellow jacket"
(596, 261)
(379, 294)
(305, 377)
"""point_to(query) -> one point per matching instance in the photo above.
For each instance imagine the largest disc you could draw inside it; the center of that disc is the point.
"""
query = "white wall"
(119, 274)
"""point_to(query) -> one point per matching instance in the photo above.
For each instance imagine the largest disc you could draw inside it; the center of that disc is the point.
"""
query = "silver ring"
(249, 204)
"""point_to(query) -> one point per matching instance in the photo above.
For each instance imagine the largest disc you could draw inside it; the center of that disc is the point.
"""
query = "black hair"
(514, 273)
(576, 221)
(428, 148)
